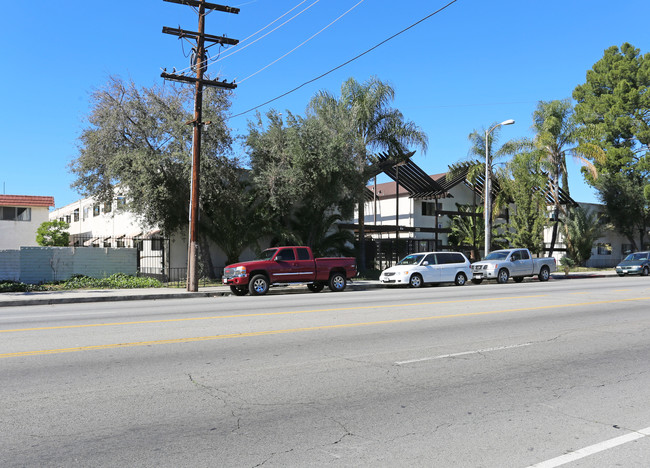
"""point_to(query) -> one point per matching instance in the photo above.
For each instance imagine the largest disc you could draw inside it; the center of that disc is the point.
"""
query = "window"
(431, 259)
(96, 210)
(156, 243)
(524, 255)
(87, 211)
(626, 248)
(449, 257)
(120, 243)
(68, 218)
(605, 249)
(429, 208)
(138, 244)
(107, 243)
(75, 215)
(286, 255)
(457, 258)
(303, 254)
(13, 213)
(121, 202)
(107, 207)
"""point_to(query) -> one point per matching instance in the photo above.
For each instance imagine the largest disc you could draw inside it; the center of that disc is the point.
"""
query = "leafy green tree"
(557, 134)
(364, 114)
(234, 216)
(302, 170)
(625, 205)
(138, 142)
(467, 230)
(53, 233)
(581, 229)
(321, 232)
(614, 103)
(523, 184)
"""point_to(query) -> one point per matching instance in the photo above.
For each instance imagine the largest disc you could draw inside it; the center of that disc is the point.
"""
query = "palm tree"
(467, 230)
(476, 167)
(557, 135)
(363, 112)
(581, 230)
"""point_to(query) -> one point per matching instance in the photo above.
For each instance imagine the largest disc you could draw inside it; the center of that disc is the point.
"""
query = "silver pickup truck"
(515, 263)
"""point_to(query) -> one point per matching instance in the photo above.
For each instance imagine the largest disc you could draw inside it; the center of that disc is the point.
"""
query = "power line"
(302, 43)
(218, 59)
(239, 49)
(345, 63)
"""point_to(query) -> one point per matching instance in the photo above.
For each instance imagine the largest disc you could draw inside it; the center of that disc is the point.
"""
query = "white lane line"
(465, 353)
(600, 447)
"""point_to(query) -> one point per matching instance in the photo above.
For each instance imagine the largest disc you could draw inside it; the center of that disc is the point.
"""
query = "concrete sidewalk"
(106, 295)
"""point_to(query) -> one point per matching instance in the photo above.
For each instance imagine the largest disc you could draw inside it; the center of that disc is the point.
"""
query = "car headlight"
(240, 271)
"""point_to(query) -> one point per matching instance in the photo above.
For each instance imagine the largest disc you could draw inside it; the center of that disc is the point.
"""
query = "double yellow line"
(298, 330)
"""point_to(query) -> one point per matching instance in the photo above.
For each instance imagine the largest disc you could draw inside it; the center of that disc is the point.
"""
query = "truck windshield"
(498, 255)
(411, 260)
(267, 254)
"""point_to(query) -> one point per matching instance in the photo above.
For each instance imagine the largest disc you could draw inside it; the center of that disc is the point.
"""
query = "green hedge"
(116, 281)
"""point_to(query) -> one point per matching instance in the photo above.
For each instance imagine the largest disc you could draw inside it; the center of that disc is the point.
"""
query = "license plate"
(478, 275)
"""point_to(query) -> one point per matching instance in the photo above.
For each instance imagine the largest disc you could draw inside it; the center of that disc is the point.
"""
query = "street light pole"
(488, 188)
(397, 166)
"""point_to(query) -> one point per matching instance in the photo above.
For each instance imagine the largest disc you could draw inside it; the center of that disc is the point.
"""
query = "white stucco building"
(20, 217)
(424, 208)
(111, 225)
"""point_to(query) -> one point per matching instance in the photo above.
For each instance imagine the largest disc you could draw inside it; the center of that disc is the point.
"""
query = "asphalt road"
(476, 376)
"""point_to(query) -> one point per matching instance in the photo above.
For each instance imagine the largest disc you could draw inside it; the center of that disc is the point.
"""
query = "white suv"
(417, 269)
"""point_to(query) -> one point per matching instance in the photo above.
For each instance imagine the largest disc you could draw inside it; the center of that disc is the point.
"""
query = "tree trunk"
(554, 233)
(362, 236)
(205, 259)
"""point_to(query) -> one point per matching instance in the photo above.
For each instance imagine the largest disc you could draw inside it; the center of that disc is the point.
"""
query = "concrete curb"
(109, 298)
(78, 297)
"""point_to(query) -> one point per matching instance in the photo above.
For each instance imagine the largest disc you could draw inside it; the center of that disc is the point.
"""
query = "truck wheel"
(461, 279)
(415, 281)
(517, 279)
(315, 287)
(239, 290)
(503, 276)
(477, 281)
(337, 282)
(544, 274)
(259, 285)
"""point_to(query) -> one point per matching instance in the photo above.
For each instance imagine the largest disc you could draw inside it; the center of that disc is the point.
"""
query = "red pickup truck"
(280, 265)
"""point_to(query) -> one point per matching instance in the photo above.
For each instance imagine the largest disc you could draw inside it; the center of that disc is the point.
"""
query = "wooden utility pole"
(199, 65)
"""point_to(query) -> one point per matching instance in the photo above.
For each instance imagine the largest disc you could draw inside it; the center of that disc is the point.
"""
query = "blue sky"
(473, 64)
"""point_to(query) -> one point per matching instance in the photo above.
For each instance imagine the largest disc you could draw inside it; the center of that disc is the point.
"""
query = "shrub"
(116, 281)
(15, 286)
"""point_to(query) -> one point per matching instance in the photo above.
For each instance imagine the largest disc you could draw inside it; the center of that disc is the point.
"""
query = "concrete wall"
(10, 265)
(45, 264)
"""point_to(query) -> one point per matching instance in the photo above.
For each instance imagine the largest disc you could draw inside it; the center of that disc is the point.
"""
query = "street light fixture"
(488, 188)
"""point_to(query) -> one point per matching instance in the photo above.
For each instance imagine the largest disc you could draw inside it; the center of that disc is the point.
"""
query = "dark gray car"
(637, 263)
